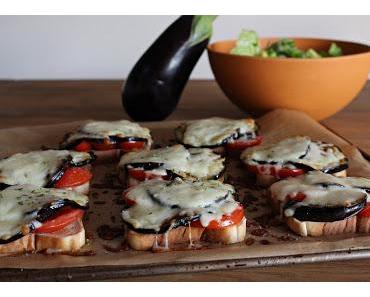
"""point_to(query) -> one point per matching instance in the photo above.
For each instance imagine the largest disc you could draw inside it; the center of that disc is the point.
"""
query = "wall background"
(106, 47)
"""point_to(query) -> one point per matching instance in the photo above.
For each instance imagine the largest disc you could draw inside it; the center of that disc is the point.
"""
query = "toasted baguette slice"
(22, 245)
(265, 180)
(227, 235)
(145, 242)
(69, 239)
(108, 155)
(363, 224)
(342, 173)
(322, 228)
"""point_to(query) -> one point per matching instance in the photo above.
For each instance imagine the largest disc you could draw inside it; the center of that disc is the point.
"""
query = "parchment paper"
(266, 235)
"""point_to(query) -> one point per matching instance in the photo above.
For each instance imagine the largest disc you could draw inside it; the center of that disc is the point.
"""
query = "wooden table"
(33, 103)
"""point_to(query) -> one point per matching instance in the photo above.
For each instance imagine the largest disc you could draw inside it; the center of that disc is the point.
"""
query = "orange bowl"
(319, 87)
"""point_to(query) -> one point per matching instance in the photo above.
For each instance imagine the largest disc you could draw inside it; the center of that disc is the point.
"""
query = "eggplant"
(154, 85)
(145, 165)
(314, 213)
(171, 223)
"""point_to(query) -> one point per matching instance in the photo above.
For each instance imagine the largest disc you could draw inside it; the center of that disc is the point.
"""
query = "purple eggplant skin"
(154, 86)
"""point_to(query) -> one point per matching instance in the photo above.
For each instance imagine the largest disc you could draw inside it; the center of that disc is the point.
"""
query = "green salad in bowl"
(248, 45)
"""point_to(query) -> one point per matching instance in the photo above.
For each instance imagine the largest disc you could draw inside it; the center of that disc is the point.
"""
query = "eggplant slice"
(314, 213)
(111, 139)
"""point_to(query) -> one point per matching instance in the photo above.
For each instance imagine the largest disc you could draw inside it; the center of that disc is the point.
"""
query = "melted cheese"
(196, 163)
(320, 189)
(214, 131)
(303, 150)
(19, 206)
(101, 130)
(36, 167)
(157, 202)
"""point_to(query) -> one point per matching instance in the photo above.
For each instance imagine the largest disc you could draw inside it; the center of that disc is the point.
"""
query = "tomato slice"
(299, 197)
(142, 175)
(61, 219)
(365, 212)
(83, 146)
(227, 220)
(74, 176)
(287, 172)
(128, 201)
(242, 144)
(129, 146)
(271, 170)
(104, 145)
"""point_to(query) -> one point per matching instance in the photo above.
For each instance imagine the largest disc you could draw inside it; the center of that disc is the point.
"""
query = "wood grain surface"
(33, 103)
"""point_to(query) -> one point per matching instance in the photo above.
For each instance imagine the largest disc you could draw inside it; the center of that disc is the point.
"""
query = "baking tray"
(268, 242)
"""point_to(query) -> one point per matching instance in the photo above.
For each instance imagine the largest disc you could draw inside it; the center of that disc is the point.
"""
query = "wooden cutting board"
(268, 241)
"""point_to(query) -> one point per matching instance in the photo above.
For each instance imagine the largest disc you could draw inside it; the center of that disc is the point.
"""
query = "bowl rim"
(365, 53)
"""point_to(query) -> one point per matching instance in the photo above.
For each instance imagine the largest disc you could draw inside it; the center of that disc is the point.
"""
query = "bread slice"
(228, 235)
(348, 225)
(183, 235)
(363, 224)
(265, 180)
(342, 173)
(69, 239)
(22, 245)
(145, 242)
(108, 155)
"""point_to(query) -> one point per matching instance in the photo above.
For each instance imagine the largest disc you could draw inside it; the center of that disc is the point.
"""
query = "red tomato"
(138, 174)
(129, 146)
(287, 172)
(365, 212)
(60, 220)
(74, 176)
(298, 197)
(83, 146)
(271, 170)
(142, 175)
(253, 168)
(128, 201)
(227, 220)
(239, 145)
(105, 145)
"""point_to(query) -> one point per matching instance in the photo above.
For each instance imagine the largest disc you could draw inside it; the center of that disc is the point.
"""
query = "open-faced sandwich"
(108, 140)
(164, 214)
(49, 168)
(292, 157)
(35, 219)
(170, 162)
(317, 203)
(218, 133)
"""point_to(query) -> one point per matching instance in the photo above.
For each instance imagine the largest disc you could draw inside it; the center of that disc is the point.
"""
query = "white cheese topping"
(19, 205)
(321, 189)
(213, 131)
(102, 129)
(36, 167)
(158, 201)
(302, 150)
(195, 162)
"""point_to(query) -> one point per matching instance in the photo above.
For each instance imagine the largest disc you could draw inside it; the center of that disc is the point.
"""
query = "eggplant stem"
(201, 28)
